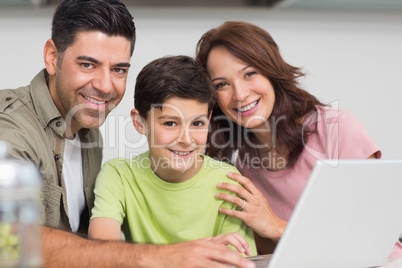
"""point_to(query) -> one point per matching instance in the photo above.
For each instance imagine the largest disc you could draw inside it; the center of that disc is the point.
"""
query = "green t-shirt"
(151, 210)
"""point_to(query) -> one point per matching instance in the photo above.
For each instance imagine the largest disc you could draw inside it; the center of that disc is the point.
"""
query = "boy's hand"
(233, 239)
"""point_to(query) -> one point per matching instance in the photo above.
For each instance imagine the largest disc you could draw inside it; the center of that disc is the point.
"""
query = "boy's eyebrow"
(200, 116)
(95, 61)
(169, 117)
(173, 117)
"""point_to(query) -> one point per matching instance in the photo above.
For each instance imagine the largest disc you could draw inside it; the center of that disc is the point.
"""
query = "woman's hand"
(255, 212)
(233, 239)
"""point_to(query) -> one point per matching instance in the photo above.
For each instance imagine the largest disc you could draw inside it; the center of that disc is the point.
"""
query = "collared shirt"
(32, 125)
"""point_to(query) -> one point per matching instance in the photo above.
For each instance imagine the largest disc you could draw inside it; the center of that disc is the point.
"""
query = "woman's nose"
(240, 91)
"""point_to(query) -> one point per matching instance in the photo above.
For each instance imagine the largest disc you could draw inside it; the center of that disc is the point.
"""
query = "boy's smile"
(177, 133)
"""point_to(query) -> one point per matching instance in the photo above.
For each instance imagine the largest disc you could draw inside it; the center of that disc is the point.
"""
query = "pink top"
(339, 135)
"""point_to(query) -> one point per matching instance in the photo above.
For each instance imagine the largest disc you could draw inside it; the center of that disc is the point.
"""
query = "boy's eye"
(198, 123)
(169, 124)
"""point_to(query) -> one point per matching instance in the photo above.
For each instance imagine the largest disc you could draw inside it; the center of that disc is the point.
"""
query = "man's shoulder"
(12, 100)
(16, 106)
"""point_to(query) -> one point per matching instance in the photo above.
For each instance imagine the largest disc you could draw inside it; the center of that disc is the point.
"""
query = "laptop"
(349, 215)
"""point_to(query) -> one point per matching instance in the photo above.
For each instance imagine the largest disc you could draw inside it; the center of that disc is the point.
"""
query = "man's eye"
(87, 65)
(120, 70)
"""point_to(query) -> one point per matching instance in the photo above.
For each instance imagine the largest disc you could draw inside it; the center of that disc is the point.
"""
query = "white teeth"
(248, 107)
(181, 153)
(94, 101)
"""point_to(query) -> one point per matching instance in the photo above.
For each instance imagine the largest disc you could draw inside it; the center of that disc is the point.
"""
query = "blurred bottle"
(20, 186)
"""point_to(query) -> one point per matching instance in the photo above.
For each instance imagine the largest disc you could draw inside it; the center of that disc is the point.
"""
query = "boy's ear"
(137, 122)
(50, 55)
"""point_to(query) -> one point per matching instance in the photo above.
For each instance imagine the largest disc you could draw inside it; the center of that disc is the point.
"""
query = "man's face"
(91, 79)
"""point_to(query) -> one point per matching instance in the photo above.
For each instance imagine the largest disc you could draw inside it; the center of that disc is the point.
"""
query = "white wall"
(352, 58)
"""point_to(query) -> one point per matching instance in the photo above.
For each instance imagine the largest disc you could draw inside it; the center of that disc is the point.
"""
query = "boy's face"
(177, 135)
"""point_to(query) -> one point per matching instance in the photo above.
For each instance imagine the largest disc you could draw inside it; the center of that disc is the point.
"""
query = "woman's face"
(244, 94)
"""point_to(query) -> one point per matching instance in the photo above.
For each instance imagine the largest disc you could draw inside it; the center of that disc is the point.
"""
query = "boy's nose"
(185, 137)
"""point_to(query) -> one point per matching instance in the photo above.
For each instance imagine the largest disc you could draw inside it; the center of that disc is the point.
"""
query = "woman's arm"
(256, 213)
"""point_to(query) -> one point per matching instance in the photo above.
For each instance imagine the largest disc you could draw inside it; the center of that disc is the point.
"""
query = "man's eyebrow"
(95, 61)
(90, 59)
(123, 64)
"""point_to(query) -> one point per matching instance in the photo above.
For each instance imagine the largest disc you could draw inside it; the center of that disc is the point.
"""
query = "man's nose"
(103, 82)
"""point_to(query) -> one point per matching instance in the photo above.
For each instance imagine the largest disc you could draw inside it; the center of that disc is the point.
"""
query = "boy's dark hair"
(110, 17)
(172, 76)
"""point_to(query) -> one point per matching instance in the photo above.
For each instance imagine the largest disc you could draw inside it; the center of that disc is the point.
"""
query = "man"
(54, 123)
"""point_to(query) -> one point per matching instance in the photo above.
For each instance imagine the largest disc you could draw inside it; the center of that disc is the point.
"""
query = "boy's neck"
(168, 174)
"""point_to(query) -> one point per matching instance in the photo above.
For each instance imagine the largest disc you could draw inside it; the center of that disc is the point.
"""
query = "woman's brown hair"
(256, 47)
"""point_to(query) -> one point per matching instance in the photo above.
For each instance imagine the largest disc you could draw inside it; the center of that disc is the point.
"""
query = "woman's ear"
(138, 122)
(50, 55)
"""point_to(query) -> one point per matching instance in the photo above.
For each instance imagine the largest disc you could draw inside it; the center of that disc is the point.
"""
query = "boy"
(166, 195)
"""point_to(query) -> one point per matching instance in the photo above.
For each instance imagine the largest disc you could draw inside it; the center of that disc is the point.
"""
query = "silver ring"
(244, 202)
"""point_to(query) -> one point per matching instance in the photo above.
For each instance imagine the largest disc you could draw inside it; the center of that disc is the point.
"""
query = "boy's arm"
(232, 224)
(104, 229)
(235, 240)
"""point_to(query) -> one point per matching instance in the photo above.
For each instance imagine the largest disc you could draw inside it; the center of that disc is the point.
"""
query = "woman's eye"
(169, 124)
(220, 85)
(248, 74)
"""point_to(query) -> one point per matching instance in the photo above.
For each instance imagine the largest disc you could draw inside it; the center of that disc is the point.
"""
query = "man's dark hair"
(172, 76)
(110, 17)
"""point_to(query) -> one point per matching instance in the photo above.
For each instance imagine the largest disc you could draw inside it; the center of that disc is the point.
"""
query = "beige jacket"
(33, 127)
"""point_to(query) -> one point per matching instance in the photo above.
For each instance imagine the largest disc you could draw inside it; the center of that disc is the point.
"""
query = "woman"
(270, 128)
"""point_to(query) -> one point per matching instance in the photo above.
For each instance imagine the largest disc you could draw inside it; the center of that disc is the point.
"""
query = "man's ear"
(138, 122)
(50, 55)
